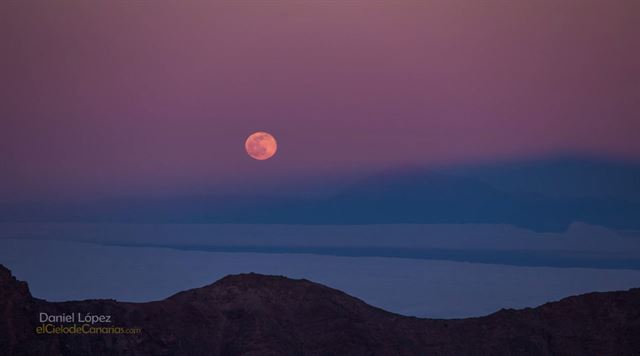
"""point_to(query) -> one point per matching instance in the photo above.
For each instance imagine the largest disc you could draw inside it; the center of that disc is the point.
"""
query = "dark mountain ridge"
(253, 314)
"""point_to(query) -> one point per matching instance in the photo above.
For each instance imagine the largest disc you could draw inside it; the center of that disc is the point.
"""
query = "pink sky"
(109, 97)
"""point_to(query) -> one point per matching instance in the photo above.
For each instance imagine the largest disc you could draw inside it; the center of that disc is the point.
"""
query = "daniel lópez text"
(74, 318)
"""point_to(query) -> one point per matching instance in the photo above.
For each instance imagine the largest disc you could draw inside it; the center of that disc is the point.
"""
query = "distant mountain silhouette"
(567, 177)
(252, 314)
(422, 196)
(543, 195)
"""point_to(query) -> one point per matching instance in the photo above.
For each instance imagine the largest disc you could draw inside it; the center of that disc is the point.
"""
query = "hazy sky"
(111, 97)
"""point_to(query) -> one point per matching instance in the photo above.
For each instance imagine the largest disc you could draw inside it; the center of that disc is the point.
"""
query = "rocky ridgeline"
(251, 314)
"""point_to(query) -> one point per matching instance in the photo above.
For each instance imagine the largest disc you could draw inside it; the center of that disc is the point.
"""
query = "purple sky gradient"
(117, 97)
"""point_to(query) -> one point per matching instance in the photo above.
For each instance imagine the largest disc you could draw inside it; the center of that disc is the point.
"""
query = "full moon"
(261, 145)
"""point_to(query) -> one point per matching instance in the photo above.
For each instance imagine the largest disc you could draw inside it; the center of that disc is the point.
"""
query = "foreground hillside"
(254, 314)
